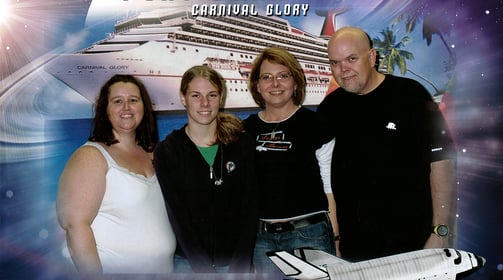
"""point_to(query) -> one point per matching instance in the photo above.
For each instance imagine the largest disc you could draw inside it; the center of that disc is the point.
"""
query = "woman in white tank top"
(109, 200)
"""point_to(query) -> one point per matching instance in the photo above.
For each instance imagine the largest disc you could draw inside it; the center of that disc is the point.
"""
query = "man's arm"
(444, 198)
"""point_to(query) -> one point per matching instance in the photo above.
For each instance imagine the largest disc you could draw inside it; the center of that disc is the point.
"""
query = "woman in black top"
(206, 171)
(293, 155)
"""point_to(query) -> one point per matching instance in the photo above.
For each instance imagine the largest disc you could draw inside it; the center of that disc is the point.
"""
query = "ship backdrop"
(54, 56)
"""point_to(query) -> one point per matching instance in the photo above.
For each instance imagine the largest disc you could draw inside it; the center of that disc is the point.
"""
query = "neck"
(275, 114)
(126, 140)
(375, 80)
(202, 136)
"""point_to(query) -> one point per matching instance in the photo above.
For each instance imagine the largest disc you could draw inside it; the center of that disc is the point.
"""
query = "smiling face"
(277, 90)
(352, 62)
(202, 101)
(125, 107)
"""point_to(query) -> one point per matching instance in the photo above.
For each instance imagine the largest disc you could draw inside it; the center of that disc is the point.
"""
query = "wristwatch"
(440, 230)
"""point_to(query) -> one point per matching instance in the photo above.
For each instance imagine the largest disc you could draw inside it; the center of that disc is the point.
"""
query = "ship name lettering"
(224, 10)
(91, 67)
(118, 67)
(287, 9)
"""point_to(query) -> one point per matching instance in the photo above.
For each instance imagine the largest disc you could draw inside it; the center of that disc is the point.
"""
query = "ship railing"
(281, 32)
(177, 21)
(207, 36)
(253, 46)
(267, 21)
(263, 32)
(218, 30)
(259, 39)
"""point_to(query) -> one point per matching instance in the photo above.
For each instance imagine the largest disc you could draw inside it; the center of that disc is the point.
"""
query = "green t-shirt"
(209, 153)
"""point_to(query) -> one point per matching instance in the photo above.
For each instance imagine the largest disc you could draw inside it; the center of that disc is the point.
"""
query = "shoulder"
(174, 143)
(86, 161)
(406, 88)
(251, 122)
(305, 110)
(305, 114)
(404, 82)
(251, 118)
(174, 137)
(89, 152)
(399, 80)
(331, 99)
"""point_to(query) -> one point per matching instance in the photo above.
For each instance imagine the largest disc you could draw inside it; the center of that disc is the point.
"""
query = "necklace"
(220, 181)
(262, 116)
(274, 131)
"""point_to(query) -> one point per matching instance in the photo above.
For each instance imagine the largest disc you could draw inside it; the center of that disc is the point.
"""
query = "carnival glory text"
(249, 10)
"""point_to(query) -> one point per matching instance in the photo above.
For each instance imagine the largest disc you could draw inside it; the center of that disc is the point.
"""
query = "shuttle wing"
(295, 267)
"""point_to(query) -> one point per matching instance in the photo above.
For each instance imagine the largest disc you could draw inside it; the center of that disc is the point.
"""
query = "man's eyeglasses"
(281, 77)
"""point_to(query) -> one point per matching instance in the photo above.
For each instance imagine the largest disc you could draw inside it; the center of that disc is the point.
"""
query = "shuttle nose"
(477, 263)
(481, 261)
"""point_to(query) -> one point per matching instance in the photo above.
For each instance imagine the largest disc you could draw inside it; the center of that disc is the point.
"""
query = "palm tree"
(391, 54)
(435, 22)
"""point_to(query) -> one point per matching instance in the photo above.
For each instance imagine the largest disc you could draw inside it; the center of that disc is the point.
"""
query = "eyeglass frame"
(281, 77)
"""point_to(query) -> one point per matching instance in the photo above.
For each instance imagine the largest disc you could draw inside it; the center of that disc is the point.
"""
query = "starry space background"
(41, 123)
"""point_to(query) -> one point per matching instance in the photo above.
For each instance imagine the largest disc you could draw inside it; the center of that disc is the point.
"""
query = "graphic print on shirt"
(391, 126)
(273, 141)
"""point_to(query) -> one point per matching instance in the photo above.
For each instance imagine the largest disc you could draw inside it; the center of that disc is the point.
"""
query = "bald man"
(393, 167)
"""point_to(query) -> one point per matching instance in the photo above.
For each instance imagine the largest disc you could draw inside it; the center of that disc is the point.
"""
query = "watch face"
(442, 230)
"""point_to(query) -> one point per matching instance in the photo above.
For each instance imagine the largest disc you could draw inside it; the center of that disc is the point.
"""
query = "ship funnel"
(329, 26)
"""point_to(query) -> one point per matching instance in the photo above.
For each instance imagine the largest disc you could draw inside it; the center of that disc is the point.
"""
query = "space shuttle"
(438, 264)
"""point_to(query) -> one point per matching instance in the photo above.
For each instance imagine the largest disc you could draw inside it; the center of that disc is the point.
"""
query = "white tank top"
(132, 230)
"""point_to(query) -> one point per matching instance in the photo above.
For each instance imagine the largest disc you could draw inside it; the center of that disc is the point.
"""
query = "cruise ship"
(158, 46)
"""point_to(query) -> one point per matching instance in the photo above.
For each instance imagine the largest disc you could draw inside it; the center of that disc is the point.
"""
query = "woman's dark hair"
(229, 127)
(146, 132)
(282, 57)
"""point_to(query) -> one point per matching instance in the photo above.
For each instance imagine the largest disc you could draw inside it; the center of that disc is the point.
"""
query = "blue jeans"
(182, 265)
(318, 236)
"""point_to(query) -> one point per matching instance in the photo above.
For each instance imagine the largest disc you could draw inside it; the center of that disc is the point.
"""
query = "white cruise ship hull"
(160, 60)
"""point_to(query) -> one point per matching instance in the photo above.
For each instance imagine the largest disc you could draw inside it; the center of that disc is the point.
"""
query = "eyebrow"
(347, 57)
(196, 91)
(269, 73)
